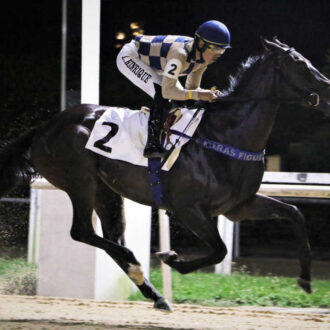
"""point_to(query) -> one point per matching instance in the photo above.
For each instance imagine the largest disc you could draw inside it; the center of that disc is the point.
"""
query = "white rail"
(275, 184)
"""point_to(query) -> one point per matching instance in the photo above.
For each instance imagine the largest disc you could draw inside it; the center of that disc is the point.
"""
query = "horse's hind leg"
(62, 159)
(263, 207)
(82, 229)
(108, 206)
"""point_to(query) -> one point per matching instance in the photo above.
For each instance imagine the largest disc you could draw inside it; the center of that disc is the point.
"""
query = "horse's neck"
(246, 125)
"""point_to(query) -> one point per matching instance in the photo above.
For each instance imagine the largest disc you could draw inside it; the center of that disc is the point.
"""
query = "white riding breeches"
(139, 73)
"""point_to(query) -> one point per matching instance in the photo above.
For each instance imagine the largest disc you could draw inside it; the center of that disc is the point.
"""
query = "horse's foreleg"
(206, 230)
(262, 207)
(108, 206)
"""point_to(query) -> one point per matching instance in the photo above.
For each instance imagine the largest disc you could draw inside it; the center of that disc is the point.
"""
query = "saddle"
(173, 117)
(121, 134)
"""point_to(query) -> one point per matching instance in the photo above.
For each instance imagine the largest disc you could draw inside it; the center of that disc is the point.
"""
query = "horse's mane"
(239, 81)
(243, 74)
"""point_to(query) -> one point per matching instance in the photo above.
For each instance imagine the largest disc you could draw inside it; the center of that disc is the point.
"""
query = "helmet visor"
(216, 50)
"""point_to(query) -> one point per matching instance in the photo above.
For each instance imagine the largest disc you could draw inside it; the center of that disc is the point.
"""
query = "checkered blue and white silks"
(153, 50)
(138, 72)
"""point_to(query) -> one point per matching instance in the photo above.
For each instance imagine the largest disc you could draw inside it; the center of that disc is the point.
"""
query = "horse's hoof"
(163, 305)
(305, 285)
(167, 256)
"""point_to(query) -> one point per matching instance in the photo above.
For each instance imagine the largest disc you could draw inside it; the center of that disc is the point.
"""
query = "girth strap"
(155, 180)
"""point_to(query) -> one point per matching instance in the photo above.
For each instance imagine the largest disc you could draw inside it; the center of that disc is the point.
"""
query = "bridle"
(312, 98)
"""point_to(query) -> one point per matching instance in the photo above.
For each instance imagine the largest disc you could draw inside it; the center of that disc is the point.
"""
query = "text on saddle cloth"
(121, 133)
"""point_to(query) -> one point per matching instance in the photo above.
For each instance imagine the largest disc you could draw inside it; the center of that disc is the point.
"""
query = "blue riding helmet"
(214, 33)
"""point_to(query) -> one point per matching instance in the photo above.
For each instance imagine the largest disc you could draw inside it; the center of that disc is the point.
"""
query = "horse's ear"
(264, 43)
(275, 39)
(267, 45)
(270, 46)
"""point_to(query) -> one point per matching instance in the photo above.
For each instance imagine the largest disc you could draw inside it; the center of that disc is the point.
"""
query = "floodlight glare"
(120, 35)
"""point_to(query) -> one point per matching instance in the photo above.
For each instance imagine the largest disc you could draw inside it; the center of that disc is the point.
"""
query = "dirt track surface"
(22, 312)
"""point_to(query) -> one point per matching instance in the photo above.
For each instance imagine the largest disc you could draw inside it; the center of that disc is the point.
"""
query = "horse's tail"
(15, 163)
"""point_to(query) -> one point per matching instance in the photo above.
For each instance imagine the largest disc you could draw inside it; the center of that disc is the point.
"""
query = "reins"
(311, 98)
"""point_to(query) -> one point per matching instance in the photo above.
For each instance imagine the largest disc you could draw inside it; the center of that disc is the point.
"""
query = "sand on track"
(35, 312)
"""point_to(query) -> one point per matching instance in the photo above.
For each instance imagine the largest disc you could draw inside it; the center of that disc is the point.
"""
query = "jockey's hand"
(216, 91)
(207, 95)
(219, 93)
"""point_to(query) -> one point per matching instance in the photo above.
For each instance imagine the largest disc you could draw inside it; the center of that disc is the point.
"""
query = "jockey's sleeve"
(194, 79)
(172, 89)
(171, 86)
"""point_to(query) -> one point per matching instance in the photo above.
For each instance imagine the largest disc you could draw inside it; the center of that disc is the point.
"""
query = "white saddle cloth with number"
(121, 134)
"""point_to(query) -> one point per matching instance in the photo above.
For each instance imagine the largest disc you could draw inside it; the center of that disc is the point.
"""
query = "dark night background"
(30, 77)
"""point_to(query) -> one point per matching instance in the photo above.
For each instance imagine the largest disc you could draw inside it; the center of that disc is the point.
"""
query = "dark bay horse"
(202, 183)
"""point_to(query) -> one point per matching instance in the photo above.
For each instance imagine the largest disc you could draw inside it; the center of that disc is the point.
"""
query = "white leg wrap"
(135, 273)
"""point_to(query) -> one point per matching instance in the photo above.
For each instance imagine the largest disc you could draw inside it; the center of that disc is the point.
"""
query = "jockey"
(155, 63)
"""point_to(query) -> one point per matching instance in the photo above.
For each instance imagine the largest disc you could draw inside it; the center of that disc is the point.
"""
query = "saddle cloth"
(121, 133)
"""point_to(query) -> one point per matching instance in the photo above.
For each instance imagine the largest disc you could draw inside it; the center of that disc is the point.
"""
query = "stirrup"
(154, 152)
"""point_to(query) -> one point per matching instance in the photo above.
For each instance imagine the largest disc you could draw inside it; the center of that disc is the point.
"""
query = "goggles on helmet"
(216, 50)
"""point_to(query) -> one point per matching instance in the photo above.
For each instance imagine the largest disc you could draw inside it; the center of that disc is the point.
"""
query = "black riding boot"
(153, 147)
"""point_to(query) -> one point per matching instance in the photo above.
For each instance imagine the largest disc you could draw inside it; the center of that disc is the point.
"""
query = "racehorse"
(201, 184)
